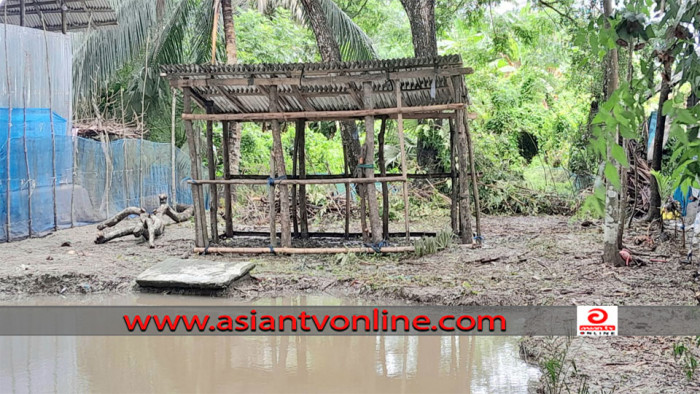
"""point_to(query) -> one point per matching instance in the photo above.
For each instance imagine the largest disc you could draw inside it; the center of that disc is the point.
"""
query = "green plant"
(683, 354)
(431, 245)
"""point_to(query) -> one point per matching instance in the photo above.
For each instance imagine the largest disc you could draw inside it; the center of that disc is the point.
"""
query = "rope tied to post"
(271, 181)
(272, 250)
(377, 247)
(369, 166)
(478, 238)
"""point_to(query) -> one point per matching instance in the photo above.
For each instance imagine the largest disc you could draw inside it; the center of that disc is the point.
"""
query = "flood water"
(258, 364)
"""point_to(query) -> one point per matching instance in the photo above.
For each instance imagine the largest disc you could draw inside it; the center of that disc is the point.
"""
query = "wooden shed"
(395, 89)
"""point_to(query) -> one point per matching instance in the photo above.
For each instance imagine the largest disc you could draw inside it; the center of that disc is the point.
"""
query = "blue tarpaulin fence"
(93, 179)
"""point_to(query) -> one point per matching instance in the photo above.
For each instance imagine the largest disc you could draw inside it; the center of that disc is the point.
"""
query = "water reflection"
(263, 364)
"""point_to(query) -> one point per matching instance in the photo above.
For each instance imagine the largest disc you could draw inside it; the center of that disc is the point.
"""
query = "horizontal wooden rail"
(314, 234)
(437, 175)
(298, 181)
(359, 113)
(250, 250)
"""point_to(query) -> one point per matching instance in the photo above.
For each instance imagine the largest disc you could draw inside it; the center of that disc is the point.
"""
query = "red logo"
(597, 316)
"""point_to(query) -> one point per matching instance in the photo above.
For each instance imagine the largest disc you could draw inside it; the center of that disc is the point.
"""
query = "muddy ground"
(525, 261)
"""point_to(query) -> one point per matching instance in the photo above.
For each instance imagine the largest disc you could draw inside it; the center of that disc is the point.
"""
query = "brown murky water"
(258, 364)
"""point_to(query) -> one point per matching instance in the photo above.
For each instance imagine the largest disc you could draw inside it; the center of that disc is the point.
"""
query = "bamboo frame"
(197, 196)
(286, 93)
(289, 250)
(321, 115)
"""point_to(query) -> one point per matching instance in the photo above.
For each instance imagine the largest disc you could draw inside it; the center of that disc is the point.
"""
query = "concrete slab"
(192, 273)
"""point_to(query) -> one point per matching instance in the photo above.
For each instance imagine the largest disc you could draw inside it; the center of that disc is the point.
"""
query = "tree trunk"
(421, 16)
(330, 52)
(234, 141)
(655, 197)
(611, 227)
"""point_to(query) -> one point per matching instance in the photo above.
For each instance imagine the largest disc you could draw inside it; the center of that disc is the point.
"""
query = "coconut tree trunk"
(330, 52)
(234, 141)
(611, 227)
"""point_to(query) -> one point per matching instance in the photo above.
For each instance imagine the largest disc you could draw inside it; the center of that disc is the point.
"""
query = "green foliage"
(683, 354)
(431, 245)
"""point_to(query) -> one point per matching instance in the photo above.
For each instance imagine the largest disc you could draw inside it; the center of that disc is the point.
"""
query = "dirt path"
(525, 261)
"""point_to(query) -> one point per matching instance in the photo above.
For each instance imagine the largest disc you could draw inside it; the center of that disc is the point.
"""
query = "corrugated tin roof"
(79, 14)
(334, 86)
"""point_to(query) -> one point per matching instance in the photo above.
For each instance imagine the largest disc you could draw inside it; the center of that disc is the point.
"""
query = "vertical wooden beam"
(286, 235)
(173, 177)
(213, 189)
(271, 197)
(454, 208)
(295, 155)
(22, 12)
(228, 205)
(465, 227)
(303, 214)
(64, 21)
(385, 187)
(189, 131)
(402, 147)
(371, 191)
(348, 194)
(472, 167)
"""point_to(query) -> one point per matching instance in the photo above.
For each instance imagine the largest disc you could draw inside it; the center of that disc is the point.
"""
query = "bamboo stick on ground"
(283, 250)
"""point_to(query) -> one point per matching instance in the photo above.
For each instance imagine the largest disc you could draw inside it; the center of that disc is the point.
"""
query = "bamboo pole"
(295, 155)
(213, 189)
(303, 214)
(402, 146)
(24, 142)
(126, 176)
(271, 197)
(385, 186)
(173, 177)
(332, 115)
(53, 131)
(186, 107)
(141, 122)
(228, 205)
(333, 181)
(454, 207)
(283, 250)
(214, 31)
(286, 238)
(348, 194)
(200, 188)
(374, 221)
(75, 175)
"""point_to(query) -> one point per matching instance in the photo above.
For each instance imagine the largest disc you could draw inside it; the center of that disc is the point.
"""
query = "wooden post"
(271, 197)
(295, 155)
(402, 146)
(75, 175)
(22, 12)
(228, 205)
(454, 208)
(173, 177)
(348, 194)
(286, 235)
(303, 214)
(385, 186)
(213, 189)
(64, 21)
(472, 167)
(465, 227)
(371, 191)
(200, 238)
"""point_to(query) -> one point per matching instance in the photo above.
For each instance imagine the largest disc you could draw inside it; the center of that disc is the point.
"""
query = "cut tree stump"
(150, 226)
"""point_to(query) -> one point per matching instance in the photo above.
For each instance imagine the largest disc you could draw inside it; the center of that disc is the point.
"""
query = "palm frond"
(354, 43)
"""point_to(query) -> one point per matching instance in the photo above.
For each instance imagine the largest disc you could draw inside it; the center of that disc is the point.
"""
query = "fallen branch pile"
(150, 226)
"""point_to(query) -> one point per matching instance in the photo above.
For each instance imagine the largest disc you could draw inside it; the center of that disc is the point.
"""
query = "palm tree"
(169, 32)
